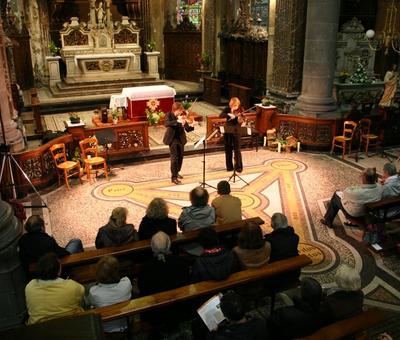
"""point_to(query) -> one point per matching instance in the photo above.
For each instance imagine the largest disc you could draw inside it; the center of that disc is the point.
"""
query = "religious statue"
(100, 13)
(391, 79)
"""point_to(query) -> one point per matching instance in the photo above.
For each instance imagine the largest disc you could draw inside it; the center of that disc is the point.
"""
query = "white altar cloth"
(148, 92)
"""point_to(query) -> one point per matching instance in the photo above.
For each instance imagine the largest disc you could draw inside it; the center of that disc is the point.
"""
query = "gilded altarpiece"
(290, 23)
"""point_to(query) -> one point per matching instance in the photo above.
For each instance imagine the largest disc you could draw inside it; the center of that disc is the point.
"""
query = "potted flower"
(151, 45)
(343, 75)
(114, 115)
(204, 60)
(74, 118)
(186, 104)
(265, 101)
(53, 49)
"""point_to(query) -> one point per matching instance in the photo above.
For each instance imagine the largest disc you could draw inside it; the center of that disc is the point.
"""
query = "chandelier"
(390, 36)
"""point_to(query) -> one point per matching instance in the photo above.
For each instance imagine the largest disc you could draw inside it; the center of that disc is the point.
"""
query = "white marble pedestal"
(53, 65)
(152, 64)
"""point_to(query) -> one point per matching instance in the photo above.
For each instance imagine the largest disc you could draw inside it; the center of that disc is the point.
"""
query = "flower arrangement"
(265, 101)
(153, 114)
(74, 118)
(53, 48)
(343, 75)
(186, 104)
(204, 60)
(151, 45)
(360, 75)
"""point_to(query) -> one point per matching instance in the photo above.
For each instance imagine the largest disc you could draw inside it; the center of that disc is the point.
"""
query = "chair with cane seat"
(64, 167)
(366, 138)
(344, 141)
(89, 149)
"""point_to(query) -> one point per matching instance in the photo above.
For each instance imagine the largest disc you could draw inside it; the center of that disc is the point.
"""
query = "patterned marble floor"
(297, 184)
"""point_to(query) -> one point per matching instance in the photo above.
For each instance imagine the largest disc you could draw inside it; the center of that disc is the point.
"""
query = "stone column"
(271, 42)
(208, 30)
(13, 136)
(316, 98)
(288, 47)
(53, 65)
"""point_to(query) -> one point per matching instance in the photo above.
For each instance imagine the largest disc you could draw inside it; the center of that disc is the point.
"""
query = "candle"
(265, 141)
(298, 146)
(279, 147)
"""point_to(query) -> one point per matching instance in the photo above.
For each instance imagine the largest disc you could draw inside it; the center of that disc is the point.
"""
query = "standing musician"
(176, 123)
(234, 118)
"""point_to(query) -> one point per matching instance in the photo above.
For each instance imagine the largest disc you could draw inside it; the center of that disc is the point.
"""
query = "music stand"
(196, 145)
(239, 131)
(106, 137)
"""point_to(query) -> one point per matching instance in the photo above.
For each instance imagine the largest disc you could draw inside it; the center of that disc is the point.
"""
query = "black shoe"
(239, 170)
(322, 220)
(179, 176)
(176, 181)
(229, 169)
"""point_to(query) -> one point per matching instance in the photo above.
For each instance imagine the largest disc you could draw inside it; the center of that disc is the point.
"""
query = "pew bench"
(205, 289)
(82, 266)
(355, 325)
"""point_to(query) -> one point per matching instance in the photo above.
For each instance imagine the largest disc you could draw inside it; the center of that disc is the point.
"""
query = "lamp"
(390, 36)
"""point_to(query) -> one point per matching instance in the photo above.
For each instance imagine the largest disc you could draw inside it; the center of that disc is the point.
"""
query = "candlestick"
(279, 147)
(265, 142)
(298, 146)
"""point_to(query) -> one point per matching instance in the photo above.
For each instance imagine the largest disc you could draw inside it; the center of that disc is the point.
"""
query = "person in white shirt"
(110, 289)
(391, 186)
(352, 200)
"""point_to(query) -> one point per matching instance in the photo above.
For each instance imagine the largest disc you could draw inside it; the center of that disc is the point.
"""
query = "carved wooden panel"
(125, 37)
(290, 23)
(212, 90)
(182, 46)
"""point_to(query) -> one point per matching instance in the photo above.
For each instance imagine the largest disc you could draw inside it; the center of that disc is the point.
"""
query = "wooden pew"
(81, 266)
(204, 288)
(351, 326)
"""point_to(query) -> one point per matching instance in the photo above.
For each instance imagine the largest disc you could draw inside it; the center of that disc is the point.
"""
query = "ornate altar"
(352, 48)
(100, 48)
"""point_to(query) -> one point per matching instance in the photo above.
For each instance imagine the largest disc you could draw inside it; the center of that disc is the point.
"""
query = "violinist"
(234, 118)
(176, 123)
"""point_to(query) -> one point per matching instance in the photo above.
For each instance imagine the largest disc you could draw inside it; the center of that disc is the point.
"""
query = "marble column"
(13, 136)
(288, 48)
(271, 41)
(316, 98)
(208, 31)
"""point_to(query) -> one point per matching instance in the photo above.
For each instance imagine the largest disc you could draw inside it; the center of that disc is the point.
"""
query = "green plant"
(204, 59)
(186, 104)
(151, 45)
(153, 115)
(53, 48)
(74, 117)
(77, 155)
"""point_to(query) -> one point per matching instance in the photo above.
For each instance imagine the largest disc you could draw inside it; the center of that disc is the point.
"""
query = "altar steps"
(71, 88)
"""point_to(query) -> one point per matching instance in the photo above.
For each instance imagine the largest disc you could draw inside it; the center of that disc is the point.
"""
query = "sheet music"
(202, 139)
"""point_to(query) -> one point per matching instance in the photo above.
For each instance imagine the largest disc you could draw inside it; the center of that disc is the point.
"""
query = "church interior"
(115, 111)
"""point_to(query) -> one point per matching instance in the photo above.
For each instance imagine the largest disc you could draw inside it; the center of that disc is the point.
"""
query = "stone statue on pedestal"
(100, 13)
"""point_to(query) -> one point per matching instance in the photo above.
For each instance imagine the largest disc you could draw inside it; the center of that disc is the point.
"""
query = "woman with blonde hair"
(156, 219)
(116, 232)
(234, 119)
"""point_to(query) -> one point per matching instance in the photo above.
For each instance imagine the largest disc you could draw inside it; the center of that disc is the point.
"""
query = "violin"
(238, 113)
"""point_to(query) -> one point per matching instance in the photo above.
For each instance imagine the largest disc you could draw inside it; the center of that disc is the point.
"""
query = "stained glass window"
(192, 8)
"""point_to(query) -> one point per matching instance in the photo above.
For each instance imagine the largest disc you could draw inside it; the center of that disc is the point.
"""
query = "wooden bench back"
(166, 298)
(350, 326)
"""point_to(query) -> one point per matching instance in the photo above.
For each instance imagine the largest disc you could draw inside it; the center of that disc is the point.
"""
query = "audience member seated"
(284, 242)
(216, 262)
(237, 325)
(302, 313)
(346, 300)
(165, 271)
(351, 201)
(50, 296)
(156, 219)
(252, 250)
(116, 232)
(391, 186)
(109, 289)
(36, 242)
(199, 214)
(228, 208)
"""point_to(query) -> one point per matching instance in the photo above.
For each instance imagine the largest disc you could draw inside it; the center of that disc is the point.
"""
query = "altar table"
(140, 95)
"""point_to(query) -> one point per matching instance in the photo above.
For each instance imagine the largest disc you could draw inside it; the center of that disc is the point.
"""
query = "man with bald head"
(352, 200)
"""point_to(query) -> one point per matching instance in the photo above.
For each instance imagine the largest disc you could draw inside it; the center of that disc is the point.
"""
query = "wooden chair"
(64, 166)
(366, 138)
(89, 149)
(346, 139)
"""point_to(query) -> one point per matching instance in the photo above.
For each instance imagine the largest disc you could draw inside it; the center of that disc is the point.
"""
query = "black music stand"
(105, 138)
(239, 131)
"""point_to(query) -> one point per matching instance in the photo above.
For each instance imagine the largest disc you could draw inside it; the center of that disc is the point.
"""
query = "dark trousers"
(176, 150)
(232, 144)
(334, 206)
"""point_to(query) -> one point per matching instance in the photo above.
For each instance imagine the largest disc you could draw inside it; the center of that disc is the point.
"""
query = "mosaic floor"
(298, 184)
